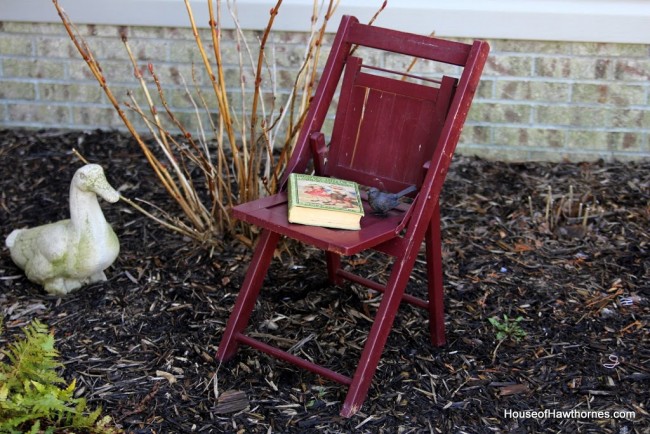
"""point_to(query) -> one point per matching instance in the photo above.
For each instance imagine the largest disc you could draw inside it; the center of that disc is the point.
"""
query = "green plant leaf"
(30, 395)
(508, 329)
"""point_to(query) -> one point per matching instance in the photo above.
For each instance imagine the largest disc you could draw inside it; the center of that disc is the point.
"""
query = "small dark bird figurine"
(381, 201)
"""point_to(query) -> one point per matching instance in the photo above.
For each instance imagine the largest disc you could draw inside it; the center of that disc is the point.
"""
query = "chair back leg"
(436, 306)
(333, 266)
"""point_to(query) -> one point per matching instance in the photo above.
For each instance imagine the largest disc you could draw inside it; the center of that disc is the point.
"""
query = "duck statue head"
(71, 253)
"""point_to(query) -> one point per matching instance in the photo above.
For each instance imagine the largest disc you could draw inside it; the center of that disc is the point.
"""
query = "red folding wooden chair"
(391, 130)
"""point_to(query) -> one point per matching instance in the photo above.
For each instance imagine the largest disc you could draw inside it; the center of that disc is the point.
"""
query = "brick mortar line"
(88, 105)
(131, 85)
(159, 41)
(546, 149)
(126, 61)
(487, 78)
(560, 56)
(494, 41)
(555, 80)
(534, 124)
(558, 104)
(542, 149)
(605, 154)
(286, 91)
(564, 105)
(168, 43)
(169, 61)
(558, 127)
(190, 38)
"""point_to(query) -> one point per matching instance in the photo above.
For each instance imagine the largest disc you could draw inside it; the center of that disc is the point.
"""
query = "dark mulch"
(142, 344)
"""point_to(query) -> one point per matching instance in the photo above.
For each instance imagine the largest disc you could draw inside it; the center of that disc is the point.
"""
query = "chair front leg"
(248, 294)
(378, 335)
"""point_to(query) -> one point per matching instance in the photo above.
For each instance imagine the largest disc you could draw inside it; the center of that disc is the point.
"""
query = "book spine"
(291, 191)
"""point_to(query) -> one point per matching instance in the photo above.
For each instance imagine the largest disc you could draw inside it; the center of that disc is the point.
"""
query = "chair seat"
(271, 213)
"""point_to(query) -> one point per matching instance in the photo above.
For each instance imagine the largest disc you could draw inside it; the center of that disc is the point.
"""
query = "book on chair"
(328, 202)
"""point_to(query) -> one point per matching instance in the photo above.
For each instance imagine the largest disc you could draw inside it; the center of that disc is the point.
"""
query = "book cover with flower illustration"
(327, 202)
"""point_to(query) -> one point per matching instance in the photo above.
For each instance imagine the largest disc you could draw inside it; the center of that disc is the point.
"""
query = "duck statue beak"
(107, 192)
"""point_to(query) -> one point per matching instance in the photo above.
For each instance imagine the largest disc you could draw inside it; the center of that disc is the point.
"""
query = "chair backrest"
(386, 128)
(388, 120)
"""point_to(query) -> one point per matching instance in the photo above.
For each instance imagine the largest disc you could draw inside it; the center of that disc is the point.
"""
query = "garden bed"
(142, 344)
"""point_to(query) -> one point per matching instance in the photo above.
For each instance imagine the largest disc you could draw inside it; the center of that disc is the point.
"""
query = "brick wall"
(538, 100)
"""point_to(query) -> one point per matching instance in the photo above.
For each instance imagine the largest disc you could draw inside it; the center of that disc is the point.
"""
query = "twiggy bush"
(234, 152)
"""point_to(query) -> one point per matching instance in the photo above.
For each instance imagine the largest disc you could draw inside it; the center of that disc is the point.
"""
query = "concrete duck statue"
(71, 253)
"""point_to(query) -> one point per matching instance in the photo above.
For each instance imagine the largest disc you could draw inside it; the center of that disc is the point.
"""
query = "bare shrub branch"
(233, 152)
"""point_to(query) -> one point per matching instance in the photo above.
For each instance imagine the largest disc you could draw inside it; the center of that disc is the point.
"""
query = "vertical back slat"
(385, 128)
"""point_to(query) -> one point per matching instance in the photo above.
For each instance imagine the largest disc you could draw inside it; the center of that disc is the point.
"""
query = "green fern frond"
(31, 399)
(33, 358)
